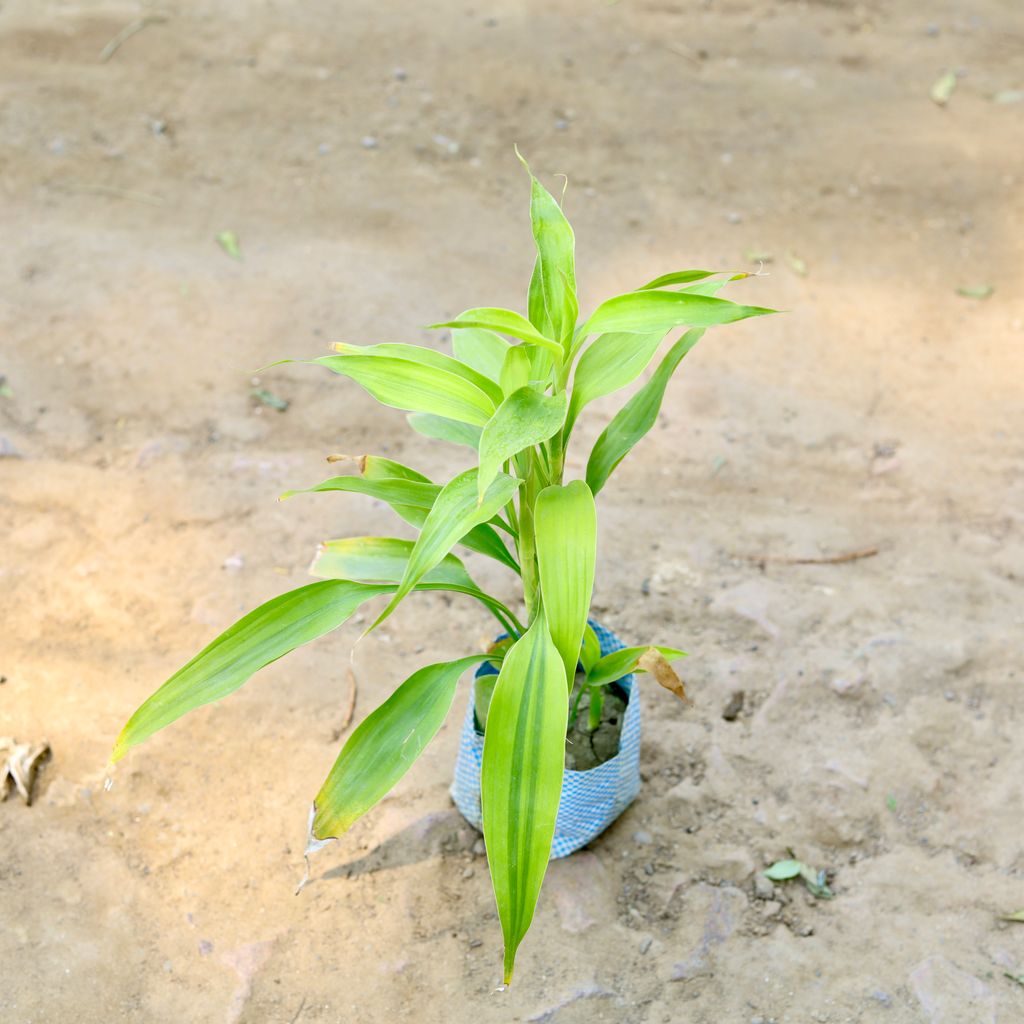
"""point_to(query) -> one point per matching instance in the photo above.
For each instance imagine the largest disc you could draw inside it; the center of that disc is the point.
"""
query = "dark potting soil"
(585, 749)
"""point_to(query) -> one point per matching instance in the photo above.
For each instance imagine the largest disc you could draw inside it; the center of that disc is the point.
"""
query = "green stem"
(596, 707)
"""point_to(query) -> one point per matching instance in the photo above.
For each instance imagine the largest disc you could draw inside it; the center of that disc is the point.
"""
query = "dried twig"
(847, 556)
(350, 710)
(127, 32)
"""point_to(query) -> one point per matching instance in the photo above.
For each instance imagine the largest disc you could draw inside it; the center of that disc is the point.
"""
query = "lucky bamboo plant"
(505, 392)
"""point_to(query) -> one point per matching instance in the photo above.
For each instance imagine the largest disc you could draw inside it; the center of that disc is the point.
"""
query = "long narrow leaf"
(525, 418)
(483, 350)
(427, 357)
(504, 321)
(515, 370)
(566, 525)
(380, 560)
(264, 635)
(636, 417)
(614, 666)
(678, 277)
(411, 495)
(415, 387)
(646, 312)
(611, 362)
(441, 429)
(456, 511)
(521, 778)
(555, 273)
(384, 746)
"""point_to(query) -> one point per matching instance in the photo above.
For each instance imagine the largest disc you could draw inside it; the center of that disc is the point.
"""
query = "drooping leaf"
(614, 666)
(653, 661)
(381, 560)
(525, 418)
(441, 429)
(555, 269)
(455, 512)
(504, 321)
(566, 529)
(647, 312)
(481, 349)
(414, 387)
(389, 481)
(521, 778)
(427, 357)
(384, 746)
(385, 559)
(257, 639)
(636, 417)
(610, 362)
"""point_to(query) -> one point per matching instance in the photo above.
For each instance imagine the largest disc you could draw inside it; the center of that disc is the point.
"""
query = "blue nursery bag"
(591, 800)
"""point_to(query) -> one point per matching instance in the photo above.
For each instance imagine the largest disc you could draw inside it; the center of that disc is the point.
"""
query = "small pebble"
(323, 149)
(643, 838)
(763, 888)
(368, 142)
(561, 125)
(400, 74)
(468, 873)
(645, 944)
(734, 218)
(478, 848)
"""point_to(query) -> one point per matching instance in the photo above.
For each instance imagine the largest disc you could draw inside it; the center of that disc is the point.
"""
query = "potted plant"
(512, 391)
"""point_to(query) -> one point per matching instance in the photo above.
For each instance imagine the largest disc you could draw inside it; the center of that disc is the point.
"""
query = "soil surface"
(362, 155)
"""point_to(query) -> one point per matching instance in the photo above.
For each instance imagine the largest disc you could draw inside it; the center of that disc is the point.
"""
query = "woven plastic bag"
(591, 800)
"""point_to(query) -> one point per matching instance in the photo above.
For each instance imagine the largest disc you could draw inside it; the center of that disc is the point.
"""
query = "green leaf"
(228, 241)
(389, 481)
(515, 370)
(427, 357)
(384, 746)
(257, 639)
(636, 417)
(394, 491)
(647, 312)
(376, 467)
(566, 527)
(614, 666)
(483, 350)
(590, 652)
(555, 271)
(611, 362)
(441, 429)
(1017, 917)
(975, 291)
(521, 778)
(678, 277)
(504, 321)
(414, 387)
(783, 870)
(524, 419)
(381, 560)
(944, 87)
(455, 512)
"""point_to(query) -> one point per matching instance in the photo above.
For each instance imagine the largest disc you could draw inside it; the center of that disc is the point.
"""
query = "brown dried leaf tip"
(653, 661)
(19, 763)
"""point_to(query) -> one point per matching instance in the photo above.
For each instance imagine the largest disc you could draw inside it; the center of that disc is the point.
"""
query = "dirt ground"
(362, 153)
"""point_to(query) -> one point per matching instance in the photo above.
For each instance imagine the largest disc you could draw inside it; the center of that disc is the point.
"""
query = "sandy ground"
(362, 153)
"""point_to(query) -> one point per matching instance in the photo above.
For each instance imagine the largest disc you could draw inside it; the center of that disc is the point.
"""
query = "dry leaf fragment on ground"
(653, 661)
(19, 763)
